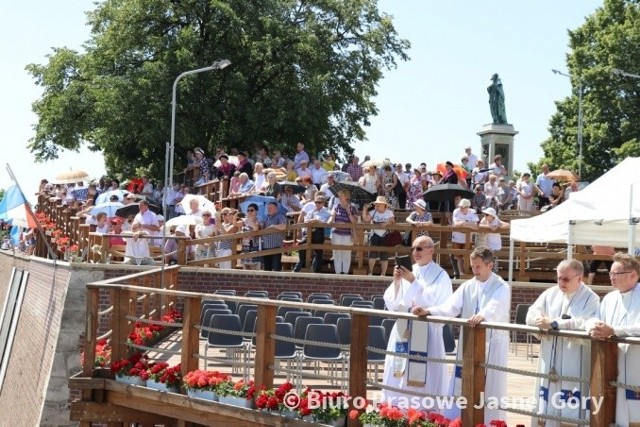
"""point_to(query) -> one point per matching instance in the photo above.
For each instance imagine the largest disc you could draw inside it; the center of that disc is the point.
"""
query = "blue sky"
(429, 107)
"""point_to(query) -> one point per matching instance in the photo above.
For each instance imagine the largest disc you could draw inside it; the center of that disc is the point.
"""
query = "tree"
(301, 71)
(609, 39)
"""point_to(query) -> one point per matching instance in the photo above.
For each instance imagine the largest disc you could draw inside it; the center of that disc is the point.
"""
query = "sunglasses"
(251, 210)
(206, 214)
(420, 248)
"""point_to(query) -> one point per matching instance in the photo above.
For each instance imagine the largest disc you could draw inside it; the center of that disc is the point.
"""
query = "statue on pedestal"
(496, 101)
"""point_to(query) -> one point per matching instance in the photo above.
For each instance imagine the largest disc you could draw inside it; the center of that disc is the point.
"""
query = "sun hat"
(464, 203)
(381, 200)
(489, 211)
(182, 228)
(420, 203)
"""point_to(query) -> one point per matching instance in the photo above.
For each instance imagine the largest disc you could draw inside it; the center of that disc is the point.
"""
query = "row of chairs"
(345, 300)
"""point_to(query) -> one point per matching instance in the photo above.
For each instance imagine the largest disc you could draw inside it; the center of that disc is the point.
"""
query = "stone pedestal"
(498, 139)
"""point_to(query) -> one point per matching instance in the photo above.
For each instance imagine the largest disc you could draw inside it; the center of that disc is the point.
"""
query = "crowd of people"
(392, 186)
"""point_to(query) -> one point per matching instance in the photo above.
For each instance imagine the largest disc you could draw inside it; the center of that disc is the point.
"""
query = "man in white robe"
(566, 306)
(426, 284)
(485, 297)
(619, 315)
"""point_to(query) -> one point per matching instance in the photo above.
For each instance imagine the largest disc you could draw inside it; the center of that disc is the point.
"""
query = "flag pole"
(52, 253)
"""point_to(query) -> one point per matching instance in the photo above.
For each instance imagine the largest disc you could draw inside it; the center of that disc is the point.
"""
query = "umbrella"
(297, 188)
(358, 194)
(340, 176)
(261, 202)
(104, 197)
(280, 173)
(133, 209)
(459, 170)
(232, 159)
(376, 162)
(563, 175)
(204, 204)
(184, 220)
(71, 177)
(110, 208)
(444, 192)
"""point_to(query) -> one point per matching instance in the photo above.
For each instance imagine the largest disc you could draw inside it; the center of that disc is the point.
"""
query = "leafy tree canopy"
(609, 39)
(301, 71)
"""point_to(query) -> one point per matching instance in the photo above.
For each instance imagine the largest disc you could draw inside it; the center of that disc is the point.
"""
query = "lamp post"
(218, 65)
(580, 119)
(619, 72)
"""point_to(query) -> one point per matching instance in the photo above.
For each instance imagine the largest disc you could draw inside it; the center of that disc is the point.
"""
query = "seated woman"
(555, 198)
(245, 186)
(272, 187)
(251, 244)
(171, 247)
(380, 214)
(310, 190)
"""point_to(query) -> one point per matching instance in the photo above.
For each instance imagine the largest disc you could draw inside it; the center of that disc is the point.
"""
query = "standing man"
(620, 316)
(544, 186)
(427, 284)
(301, 155)
(274, 221)
(473, 159)
(566, 306)
(147, 219)
(485, 297)
(496, 101)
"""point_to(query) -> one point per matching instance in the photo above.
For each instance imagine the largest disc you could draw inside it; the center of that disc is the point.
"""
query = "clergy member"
(620, 316)
(426, 284)
(566, 306)
(485, 297)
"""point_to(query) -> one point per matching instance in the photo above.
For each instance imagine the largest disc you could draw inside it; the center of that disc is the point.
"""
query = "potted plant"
(204, 384)
(162, 377)
(103, 355)
(131, 370)
(325, 407)
(239, 393)
(273, 400)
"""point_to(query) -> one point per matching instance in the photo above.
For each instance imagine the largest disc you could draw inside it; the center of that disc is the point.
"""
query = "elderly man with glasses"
(620, 316)
(566, 306)
(485, 297)
(425, 284)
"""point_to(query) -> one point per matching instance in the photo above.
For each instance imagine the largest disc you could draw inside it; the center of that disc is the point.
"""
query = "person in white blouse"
(619, 315)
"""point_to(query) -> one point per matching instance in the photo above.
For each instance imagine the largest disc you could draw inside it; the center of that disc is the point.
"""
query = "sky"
(430, 107)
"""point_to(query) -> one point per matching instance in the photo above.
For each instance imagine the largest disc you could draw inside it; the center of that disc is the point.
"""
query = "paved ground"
(520, 388)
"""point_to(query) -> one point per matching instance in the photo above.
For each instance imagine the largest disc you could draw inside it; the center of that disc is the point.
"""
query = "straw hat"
(381, 200)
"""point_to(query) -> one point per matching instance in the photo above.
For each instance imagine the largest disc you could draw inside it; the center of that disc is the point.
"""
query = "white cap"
(182, 228)
(464, 203)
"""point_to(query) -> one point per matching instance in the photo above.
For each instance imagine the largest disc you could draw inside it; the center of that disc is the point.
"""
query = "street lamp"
(620, 73)
(218, 65)
(580, 118)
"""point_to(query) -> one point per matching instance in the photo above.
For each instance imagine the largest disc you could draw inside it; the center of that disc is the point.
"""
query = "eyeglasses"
(420, 248)
(615, 273)
(567, 279)
(206, 214)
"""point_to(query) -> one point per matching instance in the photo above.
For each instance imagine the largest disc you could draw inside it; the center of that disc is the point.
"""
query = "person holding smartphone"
(425, 283)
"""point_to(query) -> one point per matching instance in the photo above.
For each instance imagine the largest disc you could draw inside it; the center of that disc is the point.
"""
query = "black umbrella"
(445, 192)
(358, 194)
(297, 188)
(133, 209)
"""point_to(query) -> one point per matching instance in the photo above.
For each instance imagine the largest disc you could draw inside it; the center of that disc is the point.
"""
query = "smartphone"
(404, 261)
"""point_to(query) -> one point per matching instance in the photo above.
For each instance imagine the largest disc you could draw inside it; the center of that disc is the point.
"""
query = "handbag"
(392, 238)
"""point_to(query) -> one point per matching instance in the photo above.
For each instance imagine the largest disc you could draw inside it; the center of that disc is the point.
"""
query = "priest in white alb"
(426, 284)
(485, 297)
(566, 306)
(619, 316)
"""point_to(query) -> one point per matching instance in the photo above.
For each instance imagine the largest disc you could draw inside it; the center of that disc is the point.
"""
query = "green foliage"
(609, 39)
(301, 71)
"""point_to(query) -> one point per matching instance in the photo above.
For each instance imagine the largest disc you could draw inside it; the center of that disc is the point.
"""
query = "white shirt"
(471, 217)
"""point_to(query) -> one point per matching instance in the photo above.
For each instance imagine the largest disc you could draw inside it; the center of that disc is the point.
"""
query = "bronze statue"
(496, 101)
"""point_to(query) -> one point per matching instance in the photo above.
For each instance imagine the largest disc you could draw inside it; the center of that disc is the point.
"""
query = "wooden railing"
(126, 293)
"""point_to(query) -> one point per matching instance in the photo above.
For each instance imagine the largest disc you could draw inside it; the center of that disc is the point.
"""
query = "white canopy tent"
(605, 213)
